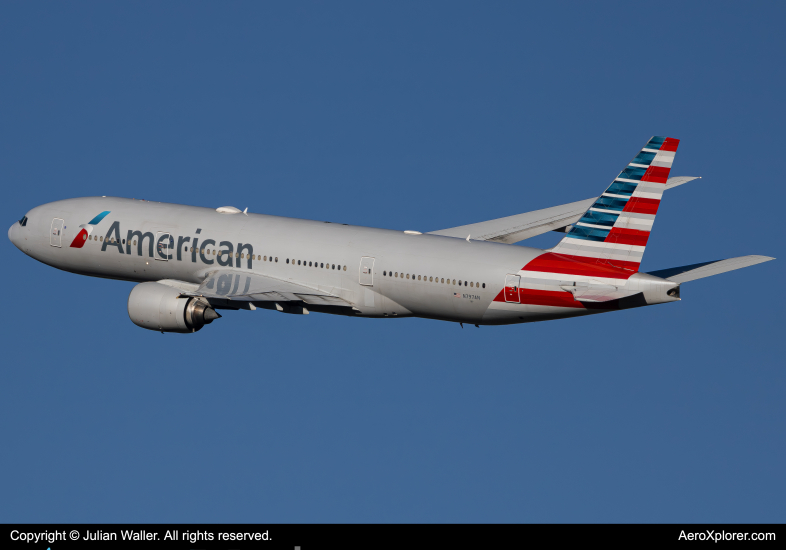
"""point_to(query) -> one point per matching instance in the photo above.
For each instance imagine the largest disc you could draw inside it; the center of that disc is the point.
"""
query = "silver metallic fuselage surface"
(192, 261)
(412, 258)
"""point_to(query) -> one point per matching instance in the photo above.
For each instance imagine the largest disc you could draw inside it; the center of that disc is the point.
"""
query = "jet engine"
(159, 307)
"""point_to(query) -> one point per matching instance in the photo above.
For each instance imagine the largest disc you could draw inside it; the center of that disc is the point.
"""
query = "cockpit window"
(23, 221)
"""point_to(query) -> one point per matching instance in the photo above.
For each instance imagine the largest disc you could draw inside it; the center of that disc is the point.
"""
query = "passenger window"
(298, 262)
(276, 259)
(345, 268)
(484, 285)
(266, 259)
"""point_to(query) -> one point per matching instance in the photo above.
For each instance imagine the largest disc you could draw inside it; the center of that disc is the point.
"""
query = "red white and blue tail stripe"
(605, 247)
(614, 231)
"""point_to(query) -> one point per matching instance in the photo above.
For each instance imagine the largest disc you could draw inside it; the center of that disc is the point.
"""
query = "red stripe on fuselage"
(550, 262)
(80, 239)
(549, 298)
(558, 298)
(642, 206)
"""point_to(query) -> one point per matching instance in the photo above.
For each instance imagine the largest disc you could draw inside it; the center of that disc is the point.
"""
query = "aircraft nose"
(13, 234)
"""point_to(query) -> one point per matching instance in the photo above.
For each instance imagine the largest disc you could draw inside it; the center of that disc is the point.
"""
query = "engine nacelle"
(158, 307)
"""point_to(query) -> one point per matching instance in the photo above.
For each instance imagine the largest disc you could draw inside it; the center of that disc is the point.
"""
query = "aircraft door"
(163, 246)
(512, 283)
(366, 276)
(56, 233)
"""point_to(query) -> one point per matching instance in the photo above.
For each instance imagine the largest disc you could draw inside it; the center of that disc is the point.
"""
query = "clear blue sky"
(409, 116)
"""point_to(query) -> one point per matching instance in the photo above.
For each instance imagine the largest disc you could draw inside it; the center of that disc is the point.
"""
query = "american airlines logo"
(162, 245)
(86, 229)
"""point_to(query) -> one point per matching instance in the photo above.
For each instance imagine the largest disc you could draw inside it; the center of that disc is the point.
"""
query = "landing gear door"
(366, 276)
(56, 234)
(512, 283)
(163, 246)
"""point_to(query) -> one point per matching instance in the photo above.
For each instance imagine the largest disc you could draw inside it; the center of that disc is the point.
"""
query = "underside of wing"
(227, 284)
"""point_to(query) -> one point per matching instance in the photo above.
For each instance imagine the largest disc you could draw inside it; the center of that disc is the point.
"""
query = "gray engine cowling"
(158, 307)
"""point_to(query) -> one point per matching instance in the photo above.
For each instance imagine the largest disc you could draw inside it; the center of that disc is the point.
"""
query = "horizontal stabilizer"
(707, 269)
(679, 180)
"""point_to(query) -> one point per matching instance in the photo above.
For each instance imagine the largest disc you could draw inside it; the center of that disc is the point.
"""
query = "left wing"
(228, 284)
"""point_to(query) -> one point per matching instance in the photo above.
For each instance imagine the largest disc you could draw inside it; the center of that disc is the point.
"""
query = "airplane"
(192, 262)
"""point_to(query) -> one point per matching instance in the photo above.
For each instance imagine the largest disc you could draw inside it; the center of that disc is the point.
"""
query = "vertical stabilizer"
(614, 231)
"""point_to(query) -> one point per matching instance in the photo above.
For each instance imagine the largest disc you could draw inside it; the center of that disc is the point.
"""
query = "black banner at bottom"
(317, 536)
